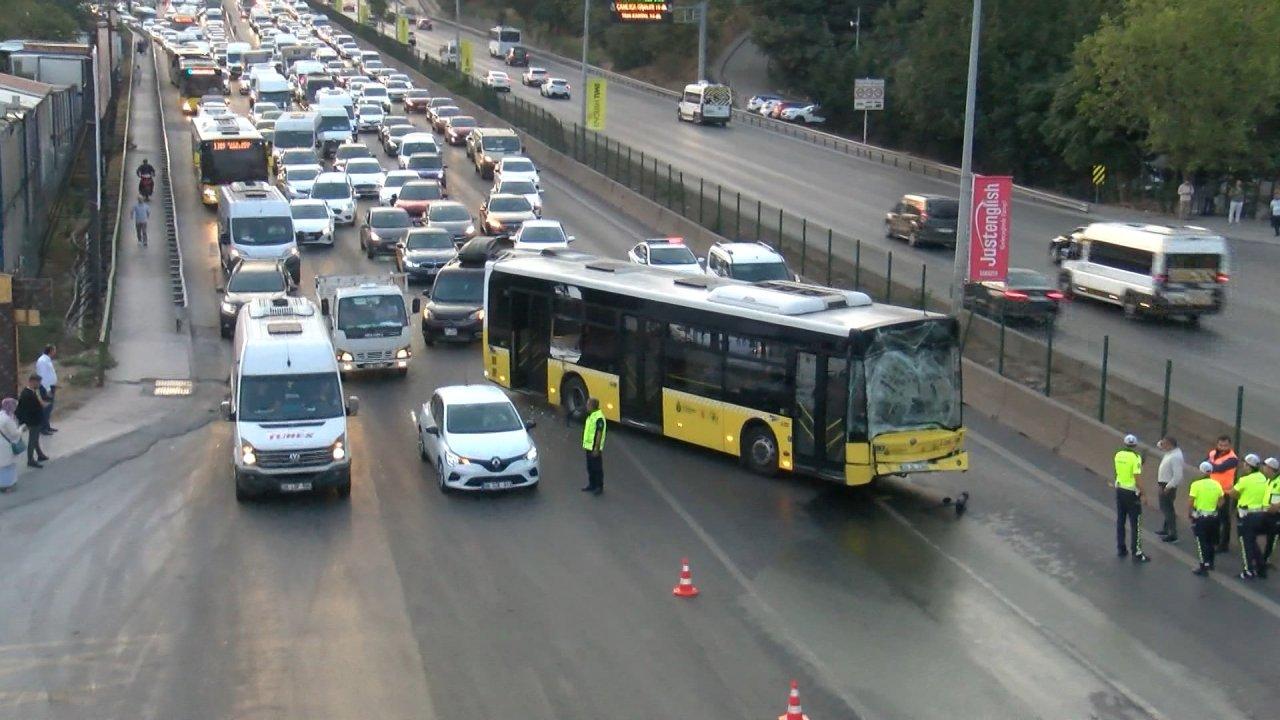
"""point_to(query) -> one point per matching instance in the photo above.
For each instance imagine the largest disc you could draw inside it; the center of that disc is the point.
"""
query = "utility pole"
(961, 268)
(857, 33)
(457, 31)
(586, 34)
(687, 15)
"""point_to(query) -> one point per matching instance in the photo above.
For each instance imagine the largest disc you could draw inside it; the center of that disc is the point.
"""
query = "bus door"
(641, 379)
(818, 428)
(531, 340)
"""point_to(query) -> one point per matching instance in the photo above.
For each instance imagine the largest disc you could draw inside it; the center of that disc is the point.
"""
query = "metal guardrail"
(164, 181)
(826, 140)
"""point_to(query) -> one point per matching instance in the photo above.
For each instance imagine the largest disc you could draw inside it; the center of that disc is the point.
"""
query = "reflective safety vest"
(1226, 478)
(589, 431)
(1128, 468)
(1273, 491)
(1205, 494)
(1252, 489)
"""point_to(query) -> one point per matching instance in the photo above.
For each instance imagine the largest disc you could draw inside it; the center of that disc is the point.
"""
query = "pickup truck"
(368, 320)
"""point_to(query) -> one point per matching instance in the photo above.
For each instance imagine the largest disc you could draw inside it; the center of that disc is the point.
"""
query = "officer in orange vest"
(1224, 461)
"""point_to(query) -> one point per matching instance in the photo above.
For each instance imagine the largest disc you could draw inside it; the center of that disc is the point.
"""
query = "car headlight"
(402, 353)
(532, 454)
(247, 454)
(452, 458)
(410, 263)
(209, 194)
(471, 229)
(339, 448)
(294, 252)
(344, 356)
(478, 315)
(234, 253)
(228, 308)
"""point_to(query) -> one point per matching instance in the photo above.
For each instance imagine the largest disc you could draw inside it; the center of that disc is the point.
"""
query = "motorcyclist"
(145, 169)
(146, 178)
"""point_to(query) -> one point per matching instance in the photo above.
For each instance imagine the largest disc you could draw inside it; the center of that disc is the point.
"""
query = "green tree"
(1197, 81)
(43, 19)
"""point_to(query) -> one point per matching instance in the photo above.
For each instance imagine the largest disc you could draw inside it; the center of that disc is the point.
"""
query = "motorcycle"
(146, 185)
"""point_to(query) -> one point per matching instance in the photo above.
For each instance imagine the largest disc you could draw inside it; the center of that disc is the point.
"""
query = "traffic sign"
(640, 11)
(868, 94)
(1099, 174)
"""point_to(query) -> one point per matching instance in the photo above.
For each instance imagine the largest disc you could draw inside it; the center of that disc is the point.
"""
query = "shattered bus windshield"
(913, 378)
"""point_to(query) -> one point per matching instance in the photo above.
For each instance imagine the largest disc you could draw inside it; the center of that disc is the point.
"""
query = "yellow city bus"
(783, 375)
(195, 80)
(227, 149)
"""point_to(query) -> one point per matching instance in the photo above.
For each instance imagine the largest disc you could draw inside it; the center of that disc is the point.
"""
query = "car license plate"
(498, 485)
(450, 332)
(946, 230)
(908, 466)
(295, 487)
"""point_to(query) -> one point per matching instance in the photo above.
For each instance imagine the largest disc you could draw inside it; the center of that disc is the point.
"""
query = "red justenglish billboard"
(989, 228)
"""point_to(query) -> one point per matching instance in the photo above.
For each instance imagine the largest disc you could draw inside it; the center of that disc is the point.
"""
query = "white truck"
(368, 321)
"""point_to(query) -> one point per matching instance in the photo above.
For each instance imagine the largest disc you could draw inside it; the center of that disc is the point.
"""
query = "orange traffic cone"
(685, 588)
(793, 705)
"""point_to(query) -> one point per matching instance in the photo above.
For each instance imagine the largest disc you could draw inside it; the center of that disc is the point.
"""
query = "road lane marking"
(764, 609)
(1252, 596)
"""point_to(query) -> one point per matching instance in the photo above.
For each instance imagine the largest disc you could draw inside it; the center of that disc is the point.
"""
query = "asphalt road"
(137, 587)
(851, 195)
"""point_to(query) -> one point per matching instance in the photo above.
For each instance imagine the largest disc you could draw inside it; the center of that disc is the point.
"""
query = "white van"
(296, 130)
(270, 87)
(705, 103)
(1148, 269)
(336, 127)
(286, 402)
(235, 57)
(256, 221)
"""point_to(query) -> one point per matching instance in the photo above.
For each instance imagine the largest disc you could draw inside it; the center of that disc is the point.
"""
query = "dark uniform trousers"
(595, 471)
(1205, 529)
(1128, 510)
(1272, 525)
(1249, 528)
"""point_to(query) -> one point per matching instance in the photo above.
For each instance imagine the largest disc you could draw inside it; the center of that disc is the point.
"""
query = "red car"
(457, 128)
(415, 197)
(416, 100)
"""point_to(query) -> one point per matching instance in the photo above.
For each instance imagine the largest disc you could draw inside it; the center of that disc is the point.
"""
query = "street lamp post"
(457, 32)
(963, 227)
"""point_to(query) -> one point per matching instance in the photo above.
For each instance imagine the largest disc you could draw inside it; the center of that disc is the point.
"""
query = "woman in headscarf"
(10, 433)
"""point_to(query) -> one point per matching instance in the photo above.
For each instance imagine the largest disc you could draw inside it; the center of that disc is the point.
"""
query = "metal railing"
(164, 186)
(108, 305)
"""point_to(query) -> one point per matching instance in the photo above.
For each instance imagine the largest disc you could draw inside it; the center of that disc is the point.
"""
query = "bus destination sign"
(221, 145)
(641, 11)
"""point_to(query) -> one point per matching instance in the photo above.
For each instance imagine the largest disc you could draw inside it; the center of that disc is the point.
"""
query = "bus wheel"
(573, 396)
(760, 451)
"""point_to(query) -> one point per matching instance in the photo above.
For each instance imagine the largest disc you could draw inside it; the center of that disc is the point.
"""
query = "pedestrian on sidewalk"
(141, 214)
(1185, 193)
(1250, 492)
(1129, 500)
(1223, 458)
(30, 412)
(1168, 479)
(593, 443)
(12, 433)
(48, 386)
(1205, 508)
(1236, 198)
(1271, 468)
(1275, 213)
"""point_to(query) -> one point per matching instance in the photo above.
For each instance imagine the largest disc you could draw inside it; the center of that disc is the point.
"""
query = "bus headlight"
(247, 454)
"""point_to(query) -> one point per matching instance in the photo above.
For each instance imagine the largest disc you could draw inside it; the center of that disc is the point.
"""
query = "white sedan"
(497, 80)
(475, 439)
(515, 167)
(312, 222)
(392, 182)
(534, 76)
(666, 253)
(808, 114)
(366, 176)
(555, 88)
(540, 235)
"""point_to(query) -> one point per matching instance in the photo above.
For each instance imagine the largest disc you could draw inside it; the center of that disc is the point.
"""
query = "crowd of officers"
(1247, 489)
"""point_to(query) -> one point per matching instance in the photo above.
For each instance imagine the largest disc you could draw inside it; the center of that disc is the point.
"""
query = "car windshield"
(423, 161)
(295, 139)
(418, 94)
(297, 157)
(395, 181)
(517, 187)
(462, 287)
(277, 398)
(373, 91)
(267, 280)
(943, 209)
(490, 417)
(335, 122)
(331, 191)
(429, 240)
(389, 219)
(502, 144)
(370, 110)
(262, 230)
(364, 316)
(310, 212)
(517, 166)
(420, 191)
(462, 121)
(448, 213)
(542, 235)
(448, 111)
(363, 166)
(671, 255)
(302, 173)
(396, 131)
(346, 152)
(758, 271)
(1028, 279)
(509, 204)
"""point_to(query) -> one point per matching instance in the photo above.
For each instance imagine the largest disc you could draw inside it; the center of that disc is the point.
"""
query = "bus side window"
(857, 417)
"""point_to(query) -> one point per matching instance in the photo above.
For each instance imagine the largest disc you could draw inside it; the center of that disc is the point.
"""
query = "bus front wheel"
(760, 451)
(573, 396)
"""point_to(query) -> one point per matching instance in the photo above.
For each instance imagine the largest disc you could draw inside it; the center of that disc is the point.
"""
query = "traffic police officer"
(1206, 502)
(1271, 468)
(593, 443)
(1129, 499)
(1250, 492)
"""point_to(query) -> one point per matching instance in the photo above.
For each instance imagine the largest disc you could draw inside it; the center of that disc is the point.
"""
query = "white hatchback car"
(498, 80)
(366, 176)
(312, 222)
(335, 190)
(554, 88)
(516, 167)
(668, 253)
(475, 439)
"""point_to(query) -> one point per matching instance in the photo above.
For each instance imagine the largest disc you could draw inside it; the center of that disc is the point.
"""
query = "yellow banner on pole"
(402, 29)
(597, 94)
(337, 5)
(362, 12)
(464, 57)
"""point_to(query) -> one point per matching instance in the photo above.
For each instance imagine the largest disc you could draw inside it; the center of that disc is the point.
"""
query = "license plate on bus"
(910, 466)
(450, 332)
(498, 485)
(295, 487)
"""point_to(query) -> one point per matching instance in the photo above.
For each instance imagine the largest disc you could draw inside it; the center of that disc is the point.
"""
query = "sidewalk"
(1247, 229)
(144, 343)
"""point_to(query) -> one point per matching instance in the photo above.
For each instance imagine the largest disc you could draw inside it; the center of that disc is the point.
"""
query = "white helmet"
(1272, 463)
(1206, 467)
(1252, 460)
(1130, 440)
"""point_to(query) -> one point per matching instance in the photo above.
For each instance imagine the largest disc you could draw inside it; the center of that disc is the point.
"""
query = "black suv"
(517, 56)
(923, 219)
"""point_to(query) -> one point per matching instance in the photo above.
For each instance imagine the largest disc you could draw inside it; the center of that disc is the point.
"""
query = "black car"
(923, 219)
(1025, 294)
(517, 56)
(423, 252)
(383, 228)
(455, 304)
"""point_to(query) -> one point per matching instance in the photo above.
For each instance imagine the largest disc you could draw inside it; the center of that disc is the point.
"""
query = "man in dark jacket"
(30, 412)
